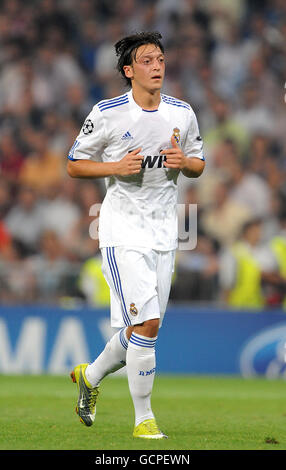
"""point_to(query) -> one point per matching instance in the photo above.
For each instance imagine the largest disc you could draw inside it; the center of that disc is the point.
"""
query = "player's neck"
(146, 99)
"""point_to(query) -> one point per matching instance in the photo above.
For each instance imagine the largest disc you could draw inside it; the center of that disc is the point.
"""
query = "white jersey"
(138, 210)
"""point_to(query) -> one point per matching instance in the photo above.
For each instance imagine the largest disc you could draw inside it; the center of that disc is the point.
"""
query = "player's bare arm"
(175, 158)
(130, 164)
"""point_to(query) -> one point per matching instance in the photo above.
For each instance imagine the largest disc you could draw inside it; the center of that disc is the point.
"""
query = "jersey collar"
(137, 111)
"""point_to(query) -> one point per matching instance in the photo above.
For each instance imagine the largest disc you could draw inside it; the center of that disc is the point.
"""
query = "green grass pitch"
(205, 413)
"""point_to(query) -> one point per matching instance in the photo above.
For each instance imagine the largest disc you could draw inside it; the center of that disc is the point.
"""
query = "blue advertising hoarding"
(45, 339)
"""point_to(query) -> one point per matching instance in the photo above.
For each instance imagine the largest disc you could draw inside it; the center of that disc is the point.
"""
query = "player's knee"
(149, 328)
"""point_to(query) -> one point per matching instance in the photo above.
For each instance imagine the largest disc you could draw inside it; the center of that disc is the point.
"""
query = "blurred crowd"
(228, 60)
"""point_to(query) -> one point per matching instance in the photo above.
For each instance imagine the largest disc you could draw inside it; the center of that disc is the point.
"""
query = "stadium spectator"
(24, 221)
(224, 153)
(251, 112)
(230, 59)
(89, 42)
(248, 270)
(225, 217)
(225, 126)
(42, 167)
(249, 189)
(6, 199)
(5, 237)
(16, 283)
(92, 284)
(11, 158)
(105, 63)
(82, 238)
(278, 247)
(54, 124)
(49, 269)
(60, 209)
(196, 273)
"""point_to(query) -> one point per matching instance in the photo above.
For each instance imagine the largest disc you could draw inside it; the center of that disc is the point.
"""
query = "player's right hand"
(130, 163)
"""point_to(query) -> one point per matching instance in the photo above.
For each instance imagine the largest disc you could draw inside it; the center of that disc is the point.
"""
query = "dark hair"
(127, 47)
(251, 223)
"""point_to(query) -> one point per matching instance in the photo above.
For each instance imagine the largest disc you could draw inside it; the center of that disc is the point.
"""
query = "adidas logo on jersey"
(127, 136)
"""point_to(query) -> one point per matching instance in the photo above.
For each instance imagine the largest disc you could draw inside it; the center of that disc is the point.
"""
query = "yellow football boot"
(85, 408)
(148, 429)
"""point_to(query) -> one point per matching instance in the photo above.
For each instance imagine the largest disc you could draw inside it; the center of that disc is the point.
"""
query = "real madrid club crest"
(133, 310)
(176, 134)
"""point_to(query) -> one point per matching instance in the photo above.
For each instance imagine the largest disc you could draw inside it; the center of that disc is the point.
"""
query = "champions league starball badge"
(88, 127)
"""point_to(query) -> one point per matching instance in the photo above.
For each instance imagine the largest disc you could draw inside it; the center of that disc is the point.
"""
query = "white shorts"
(139, 281)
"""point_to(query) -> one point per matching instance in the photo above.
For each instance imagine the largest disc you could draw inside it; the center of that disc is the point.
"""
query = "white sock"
(112, 358)
(140, 364)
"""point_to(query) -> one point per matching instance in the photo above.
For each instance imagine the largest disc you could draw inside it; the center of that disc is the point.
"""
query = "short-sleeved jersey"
(139, 210)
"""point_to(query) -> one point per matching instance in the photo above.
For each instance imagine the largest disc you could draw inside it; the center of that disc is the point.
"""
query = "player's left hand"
(175, 157)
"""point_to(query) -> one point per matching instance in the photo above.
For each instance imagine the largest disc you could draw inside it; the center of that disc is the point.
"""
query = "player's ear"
(128, 70)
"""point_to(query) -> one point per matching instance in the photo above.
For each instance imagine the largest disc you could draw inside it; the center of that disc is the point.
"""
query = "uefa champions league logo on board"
(265, 353)
(186, 216)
